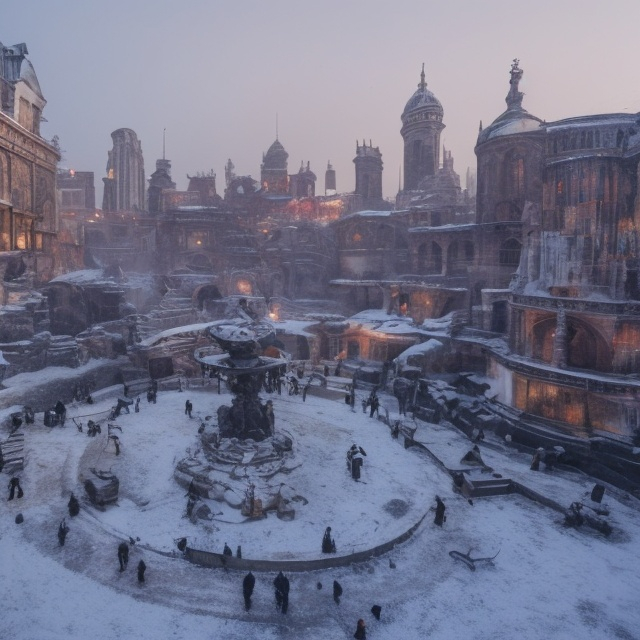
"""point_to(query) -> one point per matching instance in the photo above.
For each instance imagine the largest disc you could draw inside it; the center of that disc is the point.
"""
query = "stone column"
(559, 356)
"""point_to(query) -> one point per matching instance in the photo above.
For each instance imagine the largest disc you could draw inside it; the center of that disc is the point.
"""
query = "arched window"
(422, 258)
(510, 253)
(435, 264)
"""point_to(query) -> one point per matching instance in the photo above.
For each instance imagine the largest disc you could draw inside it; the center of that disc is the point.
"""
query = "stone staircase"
(174, 310)
(12, 453)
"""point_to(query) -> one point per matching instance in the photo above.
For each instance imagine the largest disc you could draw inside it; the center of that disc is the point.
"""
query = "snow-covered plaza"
(547, 581)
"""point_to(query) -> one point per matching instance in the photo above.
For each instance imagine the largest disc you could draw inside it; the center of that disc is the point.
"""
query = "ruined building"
(125, 182)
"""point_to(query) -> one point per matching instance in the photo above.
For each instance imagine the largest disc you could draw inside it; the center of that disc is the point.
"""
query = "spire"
(480, 127)
(514, 97)
(423, 84)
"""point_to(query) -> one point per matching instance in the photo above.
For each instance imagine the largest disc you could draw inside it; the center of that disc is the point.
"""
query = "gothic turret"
(421, 128)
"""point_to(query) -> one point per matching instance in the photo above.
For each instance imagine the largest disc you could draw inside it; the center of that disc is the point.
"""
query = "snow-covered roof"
(421, 349)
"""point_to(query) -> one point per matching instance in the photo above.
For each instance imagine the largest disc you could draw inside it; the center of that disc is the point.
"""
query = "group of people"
(55, 416)
(227, 551)
(123, 559)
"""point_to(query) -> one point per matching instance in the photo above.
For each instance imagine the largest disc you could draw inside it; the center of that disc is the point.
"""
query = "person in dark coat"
(14, 484)
(227, 550)
(327, 544)
(123, 555)
(239, 552)
(62, 532)
(440, 517)
(361, 631)
(281, 584)
(188, 408)
(142, 567)
(355, 460)
(535, 461)
(29, 415)
(60, 411)
(375, 405)
(74, 506)
(247, 589)
(337, 591)
(376, 610)
(136, 408)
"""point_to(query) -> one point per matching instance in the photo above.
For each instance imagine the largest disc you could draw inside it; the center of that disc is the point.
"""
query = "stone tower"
(159, 181)
(368, 163)
(274, 175)
(421, 128)
(329, 179)
(124, 185)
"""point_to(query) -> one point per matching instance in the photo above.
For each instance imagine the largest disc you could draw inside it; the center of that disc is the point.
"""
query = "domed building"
(274, 175)
(421, 128)
(510, 155)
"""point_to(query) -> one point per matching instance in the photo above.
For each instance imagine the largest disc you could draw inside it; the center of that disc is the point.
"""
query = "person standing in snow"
(14, 484)
(361, 631)
(142, 567)
(440, 507)
(188, 408)
(337, 591)
(281, 584)
(74, 506)
(247, 589)
(328, 545)
(123, 555)
(355, 460)
(62, 532)
(60, 411)
(374, 404)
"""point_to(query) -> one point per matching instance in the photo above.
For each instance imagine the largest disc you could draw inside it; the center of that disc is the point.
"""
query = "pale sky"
(215, 73)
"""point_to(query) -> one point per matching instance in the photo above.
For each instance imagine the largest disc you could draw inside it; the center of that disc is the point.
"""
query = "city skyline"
(216, 76)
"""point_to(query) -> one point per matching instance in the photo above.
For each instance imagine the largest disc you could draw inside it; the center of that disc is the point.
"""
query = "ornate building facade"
(28, 214)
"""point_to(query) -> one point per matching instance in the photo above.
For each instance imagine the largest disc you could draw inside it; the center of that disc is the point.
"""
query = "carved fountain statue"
(244, 368)
(242, 453)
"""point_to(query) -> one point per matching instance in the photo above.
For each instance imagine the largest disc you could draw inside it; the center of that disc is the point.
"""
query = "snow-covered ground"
(546, 582)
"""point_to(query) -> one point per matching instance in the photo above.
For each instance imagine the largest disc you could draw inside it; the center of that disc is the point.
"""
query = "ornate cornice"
(578, 305)
(620, 385)
(19, 141)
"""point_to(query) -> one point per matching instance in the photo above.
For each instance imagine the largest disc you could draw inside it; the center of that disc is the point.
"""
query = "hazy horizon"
(215, 74)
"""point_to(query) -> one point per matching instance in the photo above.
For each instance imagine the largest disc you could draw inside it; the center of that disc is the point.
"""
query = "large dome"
(276, 157)
(423, 99)
(512, 122)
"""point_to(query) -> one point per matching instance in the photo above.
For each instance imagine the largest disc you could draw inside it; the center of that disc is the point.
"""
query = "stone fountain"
(242, 456)
(244, 368)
